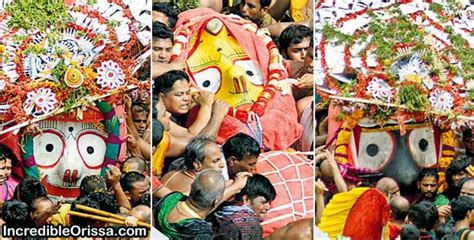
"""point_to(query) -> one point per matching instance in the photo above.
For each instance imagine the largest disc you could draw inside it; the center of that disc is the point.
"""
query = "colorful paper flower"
(40, 101)
(441, 100)
(380, 89)
(110, 75)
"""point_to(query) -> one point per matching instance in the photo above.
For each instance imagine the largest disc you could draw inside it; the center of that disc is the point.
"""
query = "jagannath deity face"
(66, 152)
(217, 63)
(398, 156)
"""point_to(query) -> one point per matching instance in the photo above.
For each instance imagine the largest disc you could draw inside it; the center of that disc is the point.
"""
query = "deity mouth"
(66, 192)
(241, 98)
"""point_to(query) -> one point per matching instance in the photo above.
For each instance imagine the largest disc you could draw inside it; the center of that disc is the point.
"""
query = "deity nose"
(70, 177)
(239, 79)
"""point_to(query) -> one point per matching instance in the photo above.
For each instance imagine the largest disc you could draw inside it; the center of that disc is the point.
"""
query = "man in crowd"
(241, 218)
(241, 153)
(294, 42)
(257, 12)
(463, 215)
(164, 13)
(178, 216)
(428, 186)
(201, 153)
(134, 185)
(399, 207)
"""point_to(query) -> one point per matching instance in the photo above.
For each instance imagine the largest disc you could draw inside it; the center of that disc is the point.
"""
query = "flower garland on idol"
(276, 70)
(81, 51)
(414, 58)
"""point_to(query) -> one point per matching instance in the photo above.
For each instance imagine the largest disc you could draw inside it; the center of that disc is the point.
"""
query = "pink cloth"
(7, 189)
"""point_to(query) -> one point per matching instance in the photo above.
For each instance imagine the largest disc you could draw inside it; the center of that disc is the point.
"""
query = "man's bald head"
(388, 187)
(399, 206)
(207, 189)
(141, 212)
(468, 188)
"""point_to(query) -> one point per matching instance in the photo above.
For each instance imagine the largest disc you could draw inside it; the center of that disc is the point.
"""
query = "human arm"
(237, 185)
(113, 177)
(319, 200)
(205, 100)
(338, 180)
(219, 111)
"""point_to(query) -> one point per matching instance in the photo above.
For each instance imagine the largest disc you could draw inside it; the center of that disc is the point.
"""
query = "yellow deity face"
(217, 63)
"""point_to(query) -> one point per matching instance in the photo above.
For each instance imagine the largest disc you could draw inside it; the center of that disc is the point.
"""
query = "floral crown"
(56, 57)
(406, 61)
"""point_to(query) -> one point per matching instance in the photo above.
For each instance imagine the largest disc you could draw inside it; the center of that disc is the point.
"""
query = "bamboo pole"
(374, 102)
(108, 214)
(98, 218)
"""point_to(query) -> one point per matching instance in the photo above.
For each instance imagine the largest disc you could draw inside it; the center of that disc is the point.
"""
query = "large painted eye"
(91, 147)
(48, 148)
(252, 72)
(422, 146)
(375, 149)
(208, 79)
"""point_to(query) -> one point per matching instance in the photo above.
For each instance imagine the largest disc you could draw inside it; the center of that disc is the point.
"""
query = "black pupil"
(71, 129)
(250, 73)
(372, 149)
(206, 83)
(423, 144)
(90, 150)
(49, 147)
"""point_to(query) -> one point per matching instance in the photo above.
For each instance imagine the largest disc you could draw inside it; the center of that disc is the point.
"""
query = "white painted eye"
(252, 71)
(208, 79)
(48, 148)
(91, 147)
(375, 149)
(422, 147)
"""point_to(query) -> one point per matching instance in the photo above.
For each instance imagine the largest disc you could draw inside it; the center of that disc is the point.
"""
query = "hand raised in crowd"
(241, 179)
(331, 159)
(127, 102)
(305, 82)
(113, 175)
(220, 108)
(203, 98)
(443, 213)
(320, 187)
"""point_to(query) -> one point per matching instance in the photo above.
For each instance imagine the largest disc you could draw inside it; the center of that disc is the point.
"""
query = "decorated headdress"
(63, 70)
(392, 64)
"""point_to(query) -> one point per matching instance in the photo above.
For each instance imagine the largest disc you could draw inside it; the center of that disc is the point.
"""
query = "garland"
(402, 38)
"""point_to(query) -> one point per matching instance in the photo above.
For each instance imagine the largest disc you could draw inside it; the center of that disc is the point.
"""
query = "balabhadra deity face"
(66, 152)
(217, 63)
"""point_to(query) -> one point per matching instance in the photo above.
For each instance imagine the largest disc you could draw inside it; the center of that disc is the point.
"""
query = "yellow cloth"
(296, 7)
(158, 159)
(60, 217)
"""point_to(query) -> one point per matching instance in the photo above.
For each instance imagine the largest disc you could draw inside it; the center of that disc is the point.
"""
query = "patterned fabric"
(192, 228)
(237, 222)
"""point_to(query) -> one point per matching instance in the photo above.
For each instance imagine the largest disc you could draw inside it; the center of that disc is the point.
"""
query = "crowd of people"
(203, 190)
